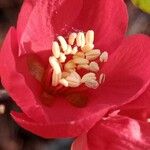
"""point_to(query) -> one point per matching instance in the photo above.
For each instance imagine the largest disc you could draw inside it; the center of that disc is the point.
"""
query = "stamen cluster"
(72, 56)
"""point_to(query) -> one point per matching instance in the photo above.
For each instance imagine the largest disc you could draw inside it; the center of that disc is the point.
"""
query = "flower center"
(76, 62)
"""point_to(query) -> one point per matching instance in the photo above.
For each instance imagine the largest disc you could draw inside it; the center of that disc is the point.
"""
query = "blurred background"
(12, 137)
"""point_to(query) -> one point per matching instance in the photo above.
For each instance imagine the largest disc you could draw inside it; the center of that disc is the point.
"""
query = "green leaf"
(142, 4)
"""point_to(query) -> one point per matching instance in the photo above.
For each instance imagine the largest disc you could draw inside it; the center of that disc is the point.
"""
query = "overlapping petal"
(15, 82)
(117, 133)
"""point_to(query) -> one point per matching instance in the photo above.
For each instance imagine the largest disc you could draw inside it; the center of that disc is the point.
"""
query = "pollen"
(75, 61)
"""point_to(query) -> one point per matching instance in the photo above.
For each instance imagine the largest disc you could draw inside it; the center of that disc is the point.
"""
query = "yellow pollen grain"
(72, 38)
(56, 49)
(63, 43)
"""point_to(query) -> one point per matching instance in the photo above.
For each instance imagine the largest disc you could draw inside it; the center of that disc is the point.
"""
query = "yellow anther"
(92, 54)
(56, 49)
(69, 50)
(74, 50)
(63, 43)
(55, 65)
(70, 65)
(62, 58)
(92, 84)
(72, 38)
(93, 66)
(80, 61)
(101, 78)
(104, 56)
(55, 78)
(64, 82)
(65, 74)
(88, 76)
(74, 79)
(90, 37)
(80, 39)
(83, 67)
(87, 47)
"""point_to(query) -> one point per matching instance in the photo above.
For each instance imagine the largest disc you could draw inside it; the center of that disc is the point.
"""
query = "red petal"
(107, 18)
(127, 72)
(118, 133)
(48, 18)
(24, 15)
(61, 124)
(21, 86)
(26, 91)
(142, 102)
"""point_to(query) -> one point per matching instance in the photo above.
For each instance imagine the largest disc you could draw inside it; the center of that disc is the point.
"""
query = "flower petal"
(108, 19)
(65, 127)
(26, 92)
(142, 102)
(122, 133)
(23, 90)
(24, 15)
(127, 72)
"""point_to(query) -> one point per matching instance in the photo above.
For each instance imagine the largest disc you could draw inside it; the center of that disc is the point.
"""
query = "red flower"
(128, 130)
(24, 58)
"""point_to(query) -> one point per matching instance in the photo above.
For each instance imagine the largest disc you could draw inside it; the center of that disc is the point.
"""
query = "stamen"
(74, 50)
(65, 74)
(73, 79)
(92, 54)
(74, 57)
(70, 65)
(87, 47)
(80, 39)
(55, 78)
(93, 66)
(101, 78)
(55, 65)
(56, 49)
(80, 61)
(90, 37)
(79, 54)
(62, 58)
(92, 84)
(64, 82)
(69, 50)
(72, 38)
(63, 43)
(88, 76)
(83, 67)
(104, 57)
